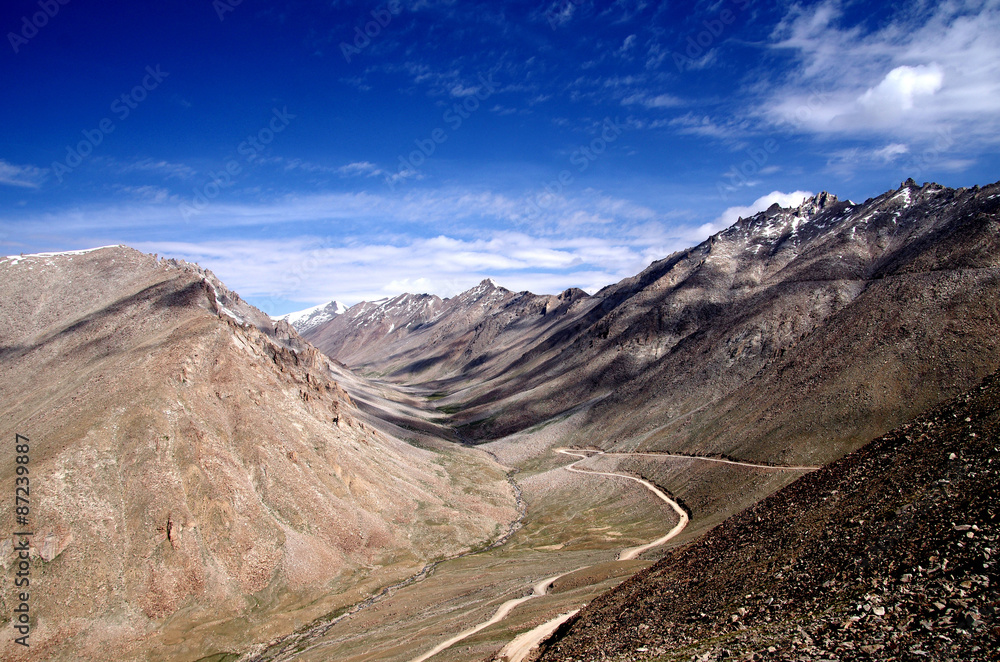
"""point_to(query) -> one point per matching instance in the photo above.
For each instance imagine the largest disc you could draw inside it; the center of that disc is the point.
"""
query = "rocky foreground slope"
(199, 481)
(792, 337)
(888, 554)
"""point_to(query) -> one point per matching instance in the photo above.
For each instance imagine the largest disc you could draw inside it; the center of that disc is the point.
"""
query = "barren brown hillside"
(198, 481)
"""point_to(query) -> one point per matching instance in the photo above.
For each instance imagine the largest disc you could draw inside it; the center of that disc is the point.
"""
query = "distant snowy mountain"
(304, 320)
(439, 336)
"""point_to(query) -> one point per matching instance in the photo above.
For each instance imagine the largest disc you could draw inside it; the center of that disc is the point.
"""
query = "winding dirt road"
(523, 644)
(633, 552)
(517, 650)
(719, 460)
(538, 589)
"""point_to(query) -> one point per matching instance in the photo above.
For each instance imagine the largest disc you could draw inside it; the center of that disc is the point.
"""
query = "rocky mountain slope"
(199, 479)
(889, 553)
(791, 337)
(422, 337)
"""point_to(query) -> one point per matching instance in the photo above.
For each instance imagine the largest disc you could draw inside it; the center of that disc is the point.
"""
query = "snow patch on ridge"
(905, 194)
(14, 259)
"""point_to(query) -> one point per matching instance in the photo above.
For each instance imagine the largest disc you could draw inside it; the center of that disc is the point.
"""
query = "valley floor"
(586, 526)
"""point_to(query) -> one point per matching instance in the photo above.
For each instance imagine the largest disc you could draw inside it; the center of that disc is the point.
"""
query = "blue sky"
(306, 151)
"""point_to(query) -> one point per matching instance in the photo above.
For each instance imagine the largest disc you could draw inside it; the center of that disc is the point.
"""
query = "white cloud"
(154, 194)
(627, 45)
(305, 269)
(165, 168)
(459, 90)
(929, 67)
(354, 246)
(23, 176)
(908, 162)
(901, 87)
(890, 152)
(703, 125)
(558, 13)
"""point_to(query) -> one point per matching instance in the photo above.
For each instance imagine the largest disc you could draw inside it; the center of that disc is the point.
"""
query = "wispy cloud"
(628, 45)
(362, 168)
(157, 166)
(24, 176)
(890, 152)
(154, 194)
(849, 161)
(558, 13)
(422, 211)
(311, 269)
(703, 125)
(362, 246)
(649, 101)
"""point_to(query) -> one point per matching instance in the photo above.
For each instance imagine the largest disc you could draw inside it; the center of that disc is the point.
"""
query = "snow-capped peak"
(303, 320)
(486, 292)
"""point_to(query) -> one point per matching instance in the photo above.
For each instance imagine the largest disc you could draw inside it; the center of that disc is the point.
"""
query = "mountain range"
(792, 336)
(213, 484)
